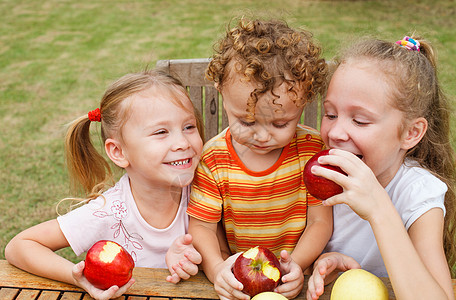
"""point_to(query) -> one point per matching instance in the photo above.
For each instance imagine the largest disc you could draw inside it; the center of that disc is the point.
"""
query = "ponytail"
(86, 166)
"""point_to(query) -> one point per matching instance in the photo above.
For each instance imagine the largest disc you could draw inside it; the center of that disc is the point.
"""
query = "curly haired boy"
(250, 176)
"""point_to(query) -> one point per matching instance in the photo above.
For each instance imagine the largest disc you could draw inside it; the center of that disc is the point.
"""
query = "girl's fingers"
(194, 256)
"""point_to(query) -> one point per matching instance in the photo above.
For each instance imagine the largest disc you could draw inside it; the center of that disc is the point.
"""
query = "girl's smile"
(161, 142)
(181, 164)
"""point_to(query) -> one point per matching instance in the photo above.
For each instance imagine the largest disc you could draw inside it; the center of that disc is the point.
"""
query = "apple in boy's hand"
(258, 269)
(107, 264)
(320, 187)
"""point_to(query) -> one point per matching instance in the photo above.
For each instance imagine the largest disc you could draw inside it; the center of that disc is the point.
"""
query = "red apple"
(107, 264)
(318, 186)
(258, 269)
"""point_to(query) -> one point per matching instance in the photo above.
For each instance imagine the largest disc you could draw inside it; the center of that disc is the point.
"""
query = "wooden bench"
(208, 100)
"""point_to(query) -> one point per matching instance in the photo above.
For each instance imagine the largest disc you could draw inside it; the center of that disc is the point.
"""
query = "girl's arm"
(315, 237)
(33, 251)
(415, 263)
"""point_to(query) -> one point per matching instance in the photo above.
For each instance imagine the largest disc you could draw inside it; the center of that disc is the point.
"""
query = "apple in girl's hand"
(320, 187)
(107, 264)
(258, 269)
(359, 284)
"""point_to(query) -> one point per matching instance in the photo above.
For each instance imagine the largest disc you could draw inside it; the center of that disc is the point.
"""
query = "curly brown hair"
(270, 53)
(417, 93)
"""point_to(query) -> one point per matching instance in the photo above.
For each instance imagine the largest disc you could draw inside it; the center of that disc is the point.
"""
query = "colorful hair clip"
(95, 115)
(409, 43)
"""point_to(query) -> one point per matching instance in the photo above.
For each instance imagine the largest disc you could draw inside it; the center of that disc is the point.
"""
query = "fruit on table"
(258, 269)
(107, 264)
(269, 296)
(359, 284)
(320, 187)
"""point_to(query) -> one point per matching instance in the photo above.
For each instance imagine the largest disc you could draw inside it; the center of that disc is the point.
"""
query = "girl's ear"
(114, 151)
(414, 133)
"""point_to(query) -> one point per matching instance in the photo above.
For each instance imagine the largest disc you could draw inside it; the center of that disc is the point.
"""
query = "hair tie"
(409, 43)
(95, 115)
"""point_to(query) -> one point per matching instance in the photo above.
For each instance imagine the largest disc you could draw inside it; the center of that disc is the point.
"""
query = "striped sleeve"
(206, 200)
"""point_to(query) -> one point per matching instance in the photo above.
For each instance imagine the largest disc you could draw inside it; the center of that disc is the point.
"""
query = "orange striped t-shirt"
(257, 208)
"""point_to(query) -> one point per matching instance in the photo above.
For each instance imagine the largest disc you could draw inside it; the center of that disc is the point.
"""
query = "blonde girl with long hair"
(387, 123)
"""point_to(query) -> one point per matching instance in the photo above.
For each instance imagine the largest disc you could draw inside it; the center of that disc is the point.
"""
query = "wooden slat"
(211, 113)
(49, 295)
(28, 294)
(196, 95)
(8, 293)
(311, 114)
(189, 71)
(11, 276)
(71, 296)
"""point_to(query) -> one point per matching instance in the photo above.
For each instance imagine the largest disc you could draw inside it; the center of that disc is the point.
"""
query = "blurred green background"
(57, 58)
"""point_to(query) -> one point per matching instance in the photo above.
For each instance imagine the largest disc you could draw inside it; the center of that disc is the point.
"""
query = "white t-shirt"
(115, 216)
(413, 192)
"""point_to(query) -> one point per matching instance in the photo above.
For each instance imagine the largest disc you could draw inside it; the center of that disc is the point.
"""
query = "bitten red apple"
(107, 264)
(318, 186)
(258, 269)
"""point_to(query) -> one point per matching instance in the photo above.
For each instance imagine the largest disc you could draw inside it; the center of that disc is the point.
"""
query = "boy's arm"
(221, 235)
(315, 236)
(205, 241)
(216, 268)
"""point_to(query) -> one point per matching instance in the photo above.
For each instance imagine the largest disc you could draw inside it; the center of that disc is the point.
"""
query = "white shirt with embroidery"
(116, 217)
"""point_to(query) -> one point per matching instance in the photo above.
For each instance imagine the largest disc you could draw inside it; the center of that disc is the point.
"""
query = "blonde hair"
(416, 92)
(87, 167)
(270, 53)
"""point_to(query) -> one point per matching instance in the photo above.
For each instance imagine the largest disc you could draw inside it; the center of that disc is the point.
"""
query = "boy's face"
(275, 119)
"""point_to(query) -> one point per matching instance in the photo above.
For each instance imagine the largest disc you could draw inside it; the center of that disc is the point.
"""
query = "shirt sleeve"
(205, 198)
(85, 225)
(419, 197)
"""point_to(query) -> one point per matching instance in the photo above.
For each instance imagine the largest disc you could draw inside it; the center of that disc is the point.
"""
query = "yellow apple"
(359, 284)
(269, 296)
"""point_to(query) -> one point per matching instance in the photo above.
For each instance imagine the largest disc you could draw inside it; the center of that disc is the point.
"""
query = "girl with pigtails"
(387, 123)
(150, 129)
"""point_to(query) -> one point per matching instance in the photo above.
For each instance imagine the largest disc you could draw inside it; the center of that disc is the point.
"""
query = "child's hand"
(362, 191)
(225, 284)
(326, 269)
(293, 280)
(182, 259)
(113, 292)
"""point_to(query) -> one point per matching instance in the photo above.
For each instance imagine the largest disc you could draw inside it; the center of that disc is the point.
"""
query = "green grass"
(57, 57)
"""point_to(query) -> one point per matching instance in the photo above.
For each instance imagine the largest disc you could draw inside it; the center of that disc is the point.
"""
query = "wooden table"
(150, 285)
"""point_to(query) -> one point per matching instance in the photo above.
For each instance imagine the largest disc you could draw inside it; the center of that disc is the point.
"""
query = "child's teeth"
(181, 162)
